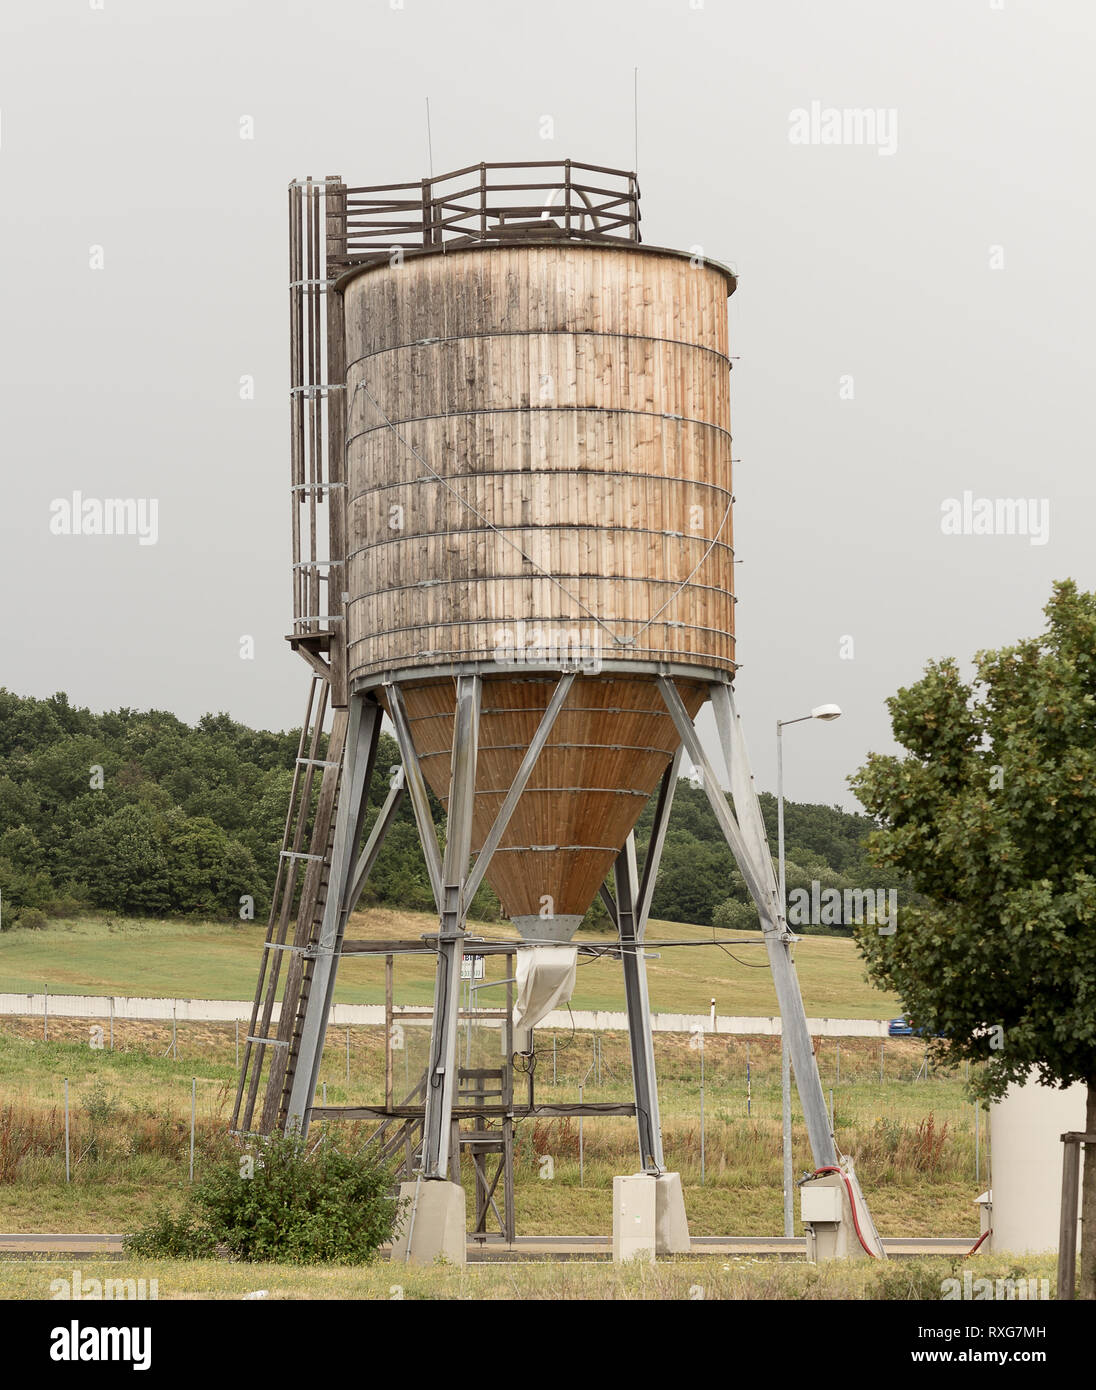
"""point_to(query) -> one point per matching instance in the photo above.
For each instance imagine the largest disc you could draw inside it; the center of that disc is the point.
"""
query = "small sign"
(472, 967)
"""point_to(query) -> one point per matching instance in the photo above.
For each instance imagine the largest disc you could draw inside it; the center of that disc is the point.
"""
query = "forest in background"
(137, 812)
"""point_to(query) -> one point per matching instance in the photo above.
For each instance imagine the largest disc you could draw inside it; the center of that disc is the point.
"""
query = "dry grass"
(678, 1279)
(130, 1110)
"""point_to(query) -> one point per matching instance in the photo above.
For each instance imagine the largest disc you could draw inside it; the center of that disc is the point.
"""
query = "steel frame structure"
(336, 865)
(454, 881)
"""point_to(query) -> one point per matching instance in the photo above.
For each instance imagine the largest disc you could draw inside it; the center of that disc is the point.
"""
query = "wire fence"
(174, 1080)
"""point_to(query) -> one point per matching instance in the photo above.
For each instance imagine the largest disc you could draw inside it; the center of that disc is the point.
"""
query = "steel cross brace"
(755, 865)
(416, 786)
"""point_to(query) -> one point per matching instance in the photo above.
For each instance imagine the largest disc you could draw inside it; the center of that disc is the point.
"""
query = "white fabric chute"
(545, 979)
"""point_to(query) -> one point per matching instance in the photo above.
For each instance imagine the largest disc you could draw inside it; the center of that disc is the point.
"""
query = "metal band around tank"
(415, 675)
(547, 473)
(537, 410)
(381, 260)
(541, 333)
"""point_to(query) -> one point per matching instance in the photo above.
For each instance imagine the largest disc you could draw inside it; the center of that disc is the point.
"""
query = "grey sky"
(120, 128)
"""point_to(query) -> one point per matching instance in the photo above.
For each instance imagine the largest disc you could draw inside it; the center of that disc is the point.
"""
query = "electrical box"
(820, 1203)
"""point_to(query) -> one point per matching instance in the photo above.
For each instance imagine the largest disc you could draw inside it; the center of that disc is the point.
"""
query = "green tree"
(207, 872)
(123, 863)
(992, 815)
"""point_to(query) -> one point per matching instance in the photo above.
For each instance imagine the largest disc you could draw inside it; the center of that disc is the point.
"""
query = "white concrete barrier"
(227, 1010)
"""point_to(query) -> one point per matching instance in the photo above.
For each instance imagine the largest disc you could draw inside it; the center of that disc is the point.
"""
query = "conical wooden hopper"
(607, 750)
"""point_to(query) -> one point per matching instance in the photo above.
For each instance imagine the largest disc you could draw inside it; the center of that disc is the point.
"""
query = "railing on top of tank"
(456, 207)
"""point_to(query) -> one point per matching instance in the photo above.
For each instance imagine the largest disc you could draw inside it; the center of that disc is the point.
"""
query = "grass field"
(912, 1133)
(679, 1278)
(130, 1109)
(203, 960)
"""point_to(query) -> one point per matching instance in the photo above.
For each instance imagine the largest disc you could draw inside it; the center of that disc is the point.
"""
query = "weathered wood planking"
(538, 434)
(604, 757)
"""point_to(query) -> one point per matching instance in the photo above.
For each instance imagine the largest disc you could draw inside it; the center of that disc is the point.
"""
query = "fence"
(45, 1005)
(722, 1087)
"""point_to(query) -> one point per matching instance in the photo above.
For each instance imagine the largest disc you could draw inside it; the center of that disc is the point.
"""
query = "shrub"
(171, 1237)
(293, 1202)
(32, 919)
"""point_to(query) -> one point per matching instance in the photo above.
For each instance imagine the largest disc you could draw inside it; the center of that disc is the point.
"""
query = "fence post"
(112, 1023)
(702, 1109)
(977, 1138)
(237, 1042)
(553, 1059)
(348, 1056)
(193, 1113)
(882, 1046)
(68, 1150)
(1067, 1231)
(580, 1153)
(45, 1014)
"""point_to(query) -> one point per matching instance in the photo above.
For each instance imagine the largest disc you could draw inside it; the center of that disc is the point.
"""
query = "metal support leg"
(363, 732)
(748, 843)
(442, 1068)
(626, 878)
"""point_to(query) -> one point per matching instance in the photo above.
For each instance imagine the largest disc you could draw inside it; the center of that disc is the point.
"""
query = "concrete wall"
(227, 1010)
(1026, 1158)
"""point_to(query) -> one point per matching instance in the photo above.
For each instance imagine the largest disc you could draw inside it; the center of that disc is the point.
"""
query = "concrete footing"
(671, 1223)
(833, 1208)
(649, 1217)
(634, 1218)
(434, 1221)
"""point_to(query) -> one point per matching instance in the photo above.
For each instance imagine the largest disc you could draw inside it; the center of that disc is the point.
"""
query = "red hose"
(852, 1206)
(977, 1243)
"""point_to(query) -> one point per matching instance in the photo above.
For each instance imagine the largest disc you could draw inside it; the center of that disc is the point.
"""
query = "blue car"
(903, 1028)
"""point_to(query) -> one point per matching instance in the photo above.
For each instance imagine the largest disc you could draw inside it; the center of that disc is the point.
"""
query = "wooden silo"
(539, 474)
(512, 535)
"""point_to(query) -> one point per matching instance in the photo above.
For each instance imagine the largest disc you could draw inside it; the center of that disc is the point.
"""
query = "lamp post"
(825, 713)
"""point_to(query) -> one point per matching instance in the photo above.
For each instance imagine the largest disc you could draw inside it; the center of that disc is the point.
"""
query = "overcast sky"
(946, 268)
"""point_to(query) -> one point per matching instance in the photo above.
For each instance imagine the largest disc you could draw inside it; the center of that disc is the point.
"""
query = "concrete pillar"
(435, 1220)
(634, 1217)
(671, 1223)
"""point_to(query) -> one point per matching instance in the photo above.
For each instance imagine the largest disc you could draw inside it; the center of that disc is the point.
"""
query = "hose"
(852, 1205)
(977, 1243)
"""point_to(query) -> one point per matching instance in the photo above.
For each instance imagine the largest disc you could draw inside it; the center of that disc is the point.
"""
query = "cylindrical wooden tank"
(539, 474)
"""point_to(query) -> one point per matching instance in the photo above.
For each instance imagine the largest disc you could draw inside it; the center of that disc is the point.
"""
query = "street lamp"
(825, 713)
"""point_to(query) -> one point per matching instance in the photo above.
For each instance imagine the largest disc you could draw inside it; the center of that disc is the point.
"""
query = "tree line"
(138, 813)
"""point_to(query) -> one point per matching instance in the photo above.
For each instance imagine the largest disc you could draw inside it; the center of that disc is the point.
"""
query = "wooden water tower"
(512, 535)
